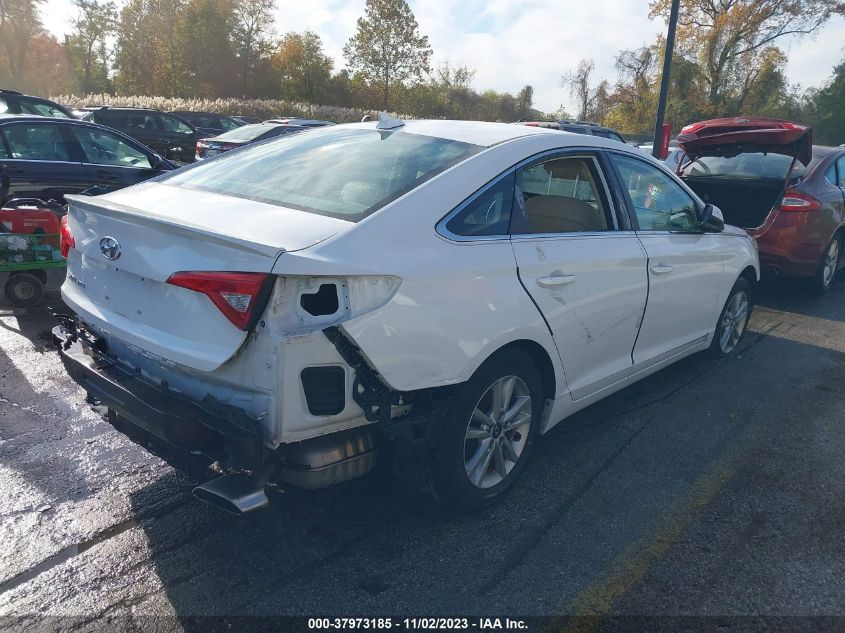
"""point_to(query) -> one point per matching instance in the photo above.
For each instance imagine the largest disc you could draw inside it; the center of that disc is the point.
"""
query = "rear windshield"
(343, 173)
(246, 132)
(750, 166)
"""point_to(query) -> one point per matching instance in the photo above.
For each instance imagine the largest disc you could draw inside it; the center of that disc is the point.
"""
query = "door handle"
(661, 269)
(555, 280)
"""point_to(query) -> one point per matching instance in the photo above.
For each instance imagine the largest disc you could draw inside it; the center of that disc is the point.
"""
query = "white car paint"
(425, 309)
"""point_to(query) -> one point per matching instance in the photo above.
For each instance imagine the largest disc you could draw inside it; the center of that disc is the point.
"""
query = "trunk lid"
(161, 230)
(737, 135)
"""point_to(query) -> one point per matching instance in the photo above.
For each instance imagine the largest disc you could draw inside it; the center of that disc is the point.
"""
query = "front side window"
(4, 106)
(659, 202)
(172, 124)
(102, 148)
(33, 141)
(488, 213)
(560, 195)
(343, 173)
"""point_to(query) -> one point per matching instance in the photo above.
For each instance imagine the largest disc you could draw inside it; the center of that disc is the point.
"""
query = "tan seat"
(561, 214)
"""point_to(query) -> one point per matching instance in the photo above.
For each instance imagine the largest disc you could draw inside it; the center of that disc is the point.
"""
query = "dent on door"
(592, 292)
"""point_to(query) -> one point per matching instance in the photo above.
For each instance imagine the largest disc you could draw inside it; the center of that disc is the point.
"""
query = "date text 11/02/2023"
(386, 623)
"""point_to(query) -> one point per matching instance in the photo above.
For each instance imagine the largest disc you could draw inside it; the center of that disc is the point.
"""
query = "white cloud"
(511, 43)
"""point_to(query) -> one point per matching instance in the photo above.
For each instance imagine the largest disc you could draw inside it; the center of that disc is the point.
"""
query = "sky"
(511, 43)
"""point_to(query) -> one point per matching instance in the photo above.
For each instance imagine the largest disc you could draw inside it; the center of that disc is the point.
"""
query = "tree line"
(231, 48)
(727, 62)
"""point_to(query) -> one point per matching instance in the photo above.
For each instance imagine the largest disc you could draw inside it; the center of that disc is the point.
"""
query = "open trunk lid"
(161, 230)
(733, 136)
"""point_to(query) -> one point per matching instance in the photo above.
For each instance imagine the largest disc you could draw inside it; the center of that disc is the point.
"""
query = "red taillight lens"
(66, 241)
(237, 295)
(798, 201)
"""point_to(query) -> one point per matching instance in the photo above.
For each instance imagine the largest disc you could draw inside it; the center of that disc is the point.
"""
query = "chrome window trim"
(573, 152)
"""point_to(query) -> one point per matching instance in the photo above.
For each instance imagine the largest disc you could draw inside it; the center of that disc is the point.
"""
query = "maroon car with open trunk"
(768, 178)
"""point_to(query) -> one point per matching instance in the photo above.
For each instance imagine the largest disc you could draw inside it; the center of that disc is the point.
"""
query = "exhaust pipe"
(233, 493)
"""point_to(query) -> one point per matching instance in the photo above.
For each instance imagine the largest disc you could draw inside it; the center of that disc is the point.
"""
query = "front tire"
(733, 320)
(483, 444)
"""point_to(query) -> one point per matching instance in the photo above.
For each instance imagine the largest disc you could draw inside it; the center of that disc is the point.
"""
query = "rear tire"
(24, 290)
(826, 273)
(482, 446)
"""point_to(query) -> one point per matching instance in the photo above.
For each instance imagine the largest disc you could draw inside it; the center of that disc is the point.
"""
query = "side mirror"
(711, 220)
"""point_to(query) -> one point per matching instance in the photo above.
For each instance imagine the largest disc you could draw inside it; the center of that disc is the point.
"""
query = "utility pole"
(664, 83)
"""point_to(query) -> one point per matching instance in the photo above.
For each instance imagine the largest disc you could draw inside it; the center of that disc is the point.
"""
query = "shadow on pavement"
(596, 484)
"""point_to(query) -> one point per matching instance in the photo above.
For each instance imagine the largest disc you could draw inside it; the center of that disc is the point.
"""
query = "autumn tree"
(19, 26)
(387, 47)
(87, 46)
(592, 101)
(729, 38)
(304, 69)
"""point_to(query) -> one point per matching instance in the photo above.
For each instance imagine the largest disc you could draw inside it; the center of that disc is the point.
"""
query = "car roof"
(475, 132)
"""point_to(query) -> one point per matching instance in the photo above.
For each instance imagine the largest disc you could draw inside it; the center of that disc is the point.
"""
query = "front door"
(685, 265)
(587, 277)
(37, 161)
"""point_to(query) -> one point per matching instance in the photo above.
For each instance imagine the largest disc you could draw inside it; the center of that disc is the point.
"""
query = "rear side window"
(343, 173)
(29, 141)
(4, 106)
(841, 171)
(561, 195)
(40, 108)
(486, 214)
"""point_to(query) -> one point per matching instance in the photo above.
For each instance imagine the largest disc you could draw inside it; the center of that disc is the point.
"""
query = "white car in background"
(438, 290)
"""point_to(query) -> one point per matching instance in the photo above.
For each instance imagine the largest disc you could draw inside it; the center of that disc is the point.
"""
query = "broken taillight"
(241, 297)
(66, 241)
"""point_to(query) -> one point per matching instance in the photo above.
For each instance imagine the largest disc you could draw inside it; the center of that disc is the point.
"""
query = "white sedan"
(440, 292)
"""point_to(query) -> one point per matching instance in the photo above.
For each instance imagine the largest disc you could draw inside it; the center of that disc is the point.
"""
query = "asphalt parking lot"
(713, 488)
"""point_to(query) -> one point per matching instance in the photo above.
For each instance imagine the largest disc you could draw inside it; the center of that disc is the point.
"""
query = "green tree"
(304, 68)
(253, 28)
(87, 46)
(148, 58)
(387, 47)
(207, 57)
(827, 114)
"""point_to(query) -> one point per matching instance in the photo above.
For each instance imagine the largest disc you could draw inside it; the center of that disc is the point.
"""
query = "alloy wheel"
(733, 322)
(497, 431)
(831, 261)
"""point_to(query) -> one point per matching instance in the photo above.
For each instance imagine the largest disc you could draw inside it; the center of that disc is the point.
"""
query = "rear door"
(587, 276)
(40, 161)
(686, 267)
(181, 138)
